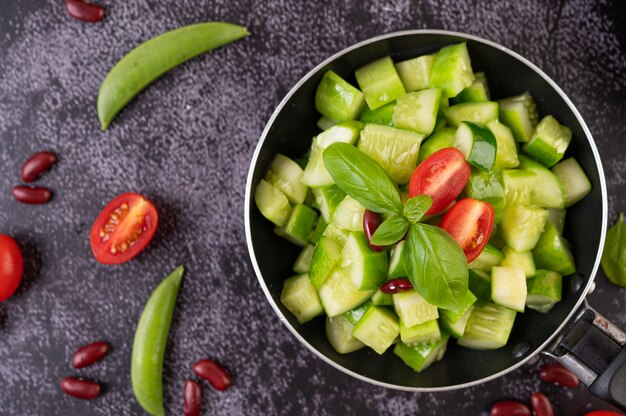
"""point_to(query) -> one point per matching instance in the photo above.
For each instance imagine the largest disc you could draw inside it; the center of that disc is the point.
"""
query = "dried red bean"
(82, 10)
(36, 165)
(396, 285)
(510, 408)
(371, 222)
(79, 388)
(557, 374)
(89, 354)
(193, 398)
(541, 405)
(213, 373)
(33, 195)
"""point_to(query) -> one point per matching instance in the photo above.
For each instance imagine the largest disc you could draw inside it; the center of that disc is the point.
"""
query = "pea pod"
(150, 341)
(153, 58)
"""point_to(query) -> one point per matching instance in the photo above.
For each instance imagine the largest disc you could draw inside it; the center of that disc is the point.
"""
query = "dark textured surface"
(186, 143)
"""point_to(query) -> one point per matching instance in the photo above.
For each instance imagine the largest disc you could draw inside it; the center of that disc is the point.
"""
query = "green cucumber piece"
(285, 175)
(318, 231)
(508, 287)
(457, 328)
(452, 70)
(489, 187)
(479, 113)
(272, 203)
(299, 226)
(478, 145)
(367, 268)
(557, 217)
(349, 215)
(544, 290)
(574, 180)
(413, 308)
(325, 257)
(549, 141)
(382, 115)
(382, 299)
(339, 334)
(488, 327)
(417, 111)
(415, 73)
(506, 153)
(422, 356)
(522, 226)
(380, 82)
(377, 329)
(466, 304)
(547, 191)
(336, 99)
(344, 132)
(480, 285)
(303, 262)
(394, 149)
(552, 252)
(475, 93)
(496, 239)
(440, 140)
(325, 123)
(354, 315)
(396, 265)
(489, 257)
(421, 333)
(338, 294)
(327, 199)
(518, 186)
(523, 260)
(519, 113)
(440, 123)
(300, 298)
(339, 235)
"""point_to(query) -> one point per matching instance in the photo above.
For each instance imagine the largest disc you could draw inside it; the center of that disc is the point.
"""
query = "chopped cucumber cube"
(299, 226)
(574, 180)
(506, 152)
(382, 299)
(552, 252)
(518, 186)
(420, 333)
(420, 357)
(272, 203)
(549, 141)
(377, 329)
(489, 257)
(339, 235)
(339, 333)
(353, 316)
(344, 132)
(396, 265)
(327, 199)
(479, 113)
(519, 113)
(544, 290)
(367, 268)
(303, 262)
(480, 285)
(523, 260)
(382, 115)
(521, 226)
(415, 73)
(325, 123)
(440, 140)
(488, 327)
(336, 99)
(547, 191)
(466, 304)
(338, 294)
(508, 287)
(452, 70)
(300, 298)
(557, 217)
(349, 215)
(318, 231)
(417, 111)
(475, 93)
(478, 145)
(380, 82)
(325, 257)
(489, 187)
(457, 328)
(394, 149)
(285, 175)
(413, 308)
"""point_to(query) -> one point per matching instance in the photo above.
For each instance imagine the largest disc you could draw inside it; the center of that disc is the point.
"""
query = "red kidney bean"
(82, 10)
(396, 285)
(557, 374)
(510, 408)
(79, 388)
(193, 398)
(213, 373)
(89, 354)
(541, 405)
(36, 165)
(371, 222)
(34, 195)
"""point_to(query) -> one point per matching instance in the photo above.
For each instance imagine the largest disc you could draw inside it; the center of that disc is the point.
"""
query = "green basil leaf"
(614, 256)
(436, 266)
(416, 207)
(361, 177)
(390, 231)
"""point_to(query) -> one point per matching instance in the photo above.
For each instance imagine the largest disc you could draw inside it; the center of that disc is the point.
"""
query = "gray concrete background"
(186, 143)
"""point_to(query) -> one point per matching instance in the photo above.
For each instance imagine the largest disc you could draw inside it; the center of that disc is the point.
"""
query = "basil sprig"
(614, 256)
(435, 263)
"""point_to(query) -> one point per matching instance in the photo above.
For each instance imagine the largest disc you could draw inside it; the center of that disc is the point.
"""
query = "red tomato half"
(470, 223)
(603, 413)
(123, 229)
(442, 176)
(11, 266)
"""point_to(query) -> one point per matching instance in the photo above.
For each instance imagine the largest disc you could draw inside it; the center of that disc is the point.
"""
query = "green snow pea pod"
(150, 341)
(153, 58)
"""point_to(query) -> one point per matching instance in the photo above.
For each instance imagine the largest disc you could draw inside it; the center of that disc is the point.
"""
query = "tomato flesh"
(123, 229)
(470, 223)
(603, 413)
(442, 176)
(11, 266)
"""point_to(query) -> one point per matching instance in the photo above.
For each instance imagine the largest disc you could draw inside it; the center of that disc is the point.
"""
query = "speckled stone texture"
(186, 143)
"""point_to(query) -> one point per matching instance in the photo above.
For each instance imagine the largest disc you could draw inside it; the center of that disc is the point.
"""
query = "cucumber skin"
(422, 356)
(379, 82)
(552, 252)
(274, 207)
(338, 100)
(546, 284)
(488, 187)
(382, 115)
(437, 141)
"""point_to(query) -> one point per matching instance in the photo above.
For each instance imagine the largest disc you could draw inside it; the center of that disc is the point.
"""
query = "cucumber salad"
(425, 209)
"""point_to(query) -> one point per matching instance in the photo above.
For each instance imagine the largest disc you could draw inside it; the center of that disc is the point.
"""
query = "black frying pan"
(583, 348)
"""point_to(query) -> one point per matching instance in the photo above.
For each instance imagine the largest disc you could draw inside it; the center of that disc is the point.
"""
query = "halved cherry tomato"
(123, 229)
(603, 413)
(442, 176)
(11, 266)
(470, 223)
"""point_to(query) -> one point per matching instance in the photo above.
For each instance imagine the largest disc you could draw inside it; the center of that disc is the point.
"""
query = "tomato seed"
(557, 374)
(33, 195)
(84, 11)
(193, 398)
(371, 222)
(213, 373)
(79, 388)
(396, 285)
(90, 354)
(510, 408)
(541, 405)
(36, 165)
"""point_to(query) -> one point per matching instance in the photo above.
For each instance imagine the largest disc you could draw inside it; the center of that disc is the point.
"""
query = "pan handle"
(595, 350)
